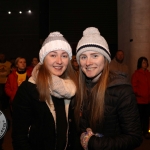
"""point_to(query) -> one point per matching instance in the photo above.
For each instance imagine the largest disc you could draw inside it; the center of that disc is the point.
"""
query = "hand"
(85, 136)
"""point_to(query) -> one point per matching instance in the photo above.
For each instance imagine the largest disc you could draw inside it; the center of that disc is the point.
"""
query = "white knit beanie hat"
(55, 41)
(92, 41)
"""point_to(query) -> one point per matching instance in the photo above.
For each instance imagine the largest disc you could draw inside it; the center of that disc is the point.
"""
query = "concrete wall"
(134, 30)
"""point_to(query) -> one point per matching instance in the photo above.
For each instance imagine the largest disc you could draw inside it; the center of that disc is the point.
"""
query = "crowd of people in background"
(104, 107)
(12, 73)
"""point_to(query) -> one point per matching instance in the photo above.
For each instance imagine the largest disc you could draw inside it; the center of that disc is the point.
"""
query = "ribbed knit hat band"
(93, 41)
(55, 41)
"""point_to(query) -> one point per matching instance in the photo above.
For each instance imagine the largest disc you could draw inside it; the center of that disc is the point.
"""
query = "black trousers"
(144, 110)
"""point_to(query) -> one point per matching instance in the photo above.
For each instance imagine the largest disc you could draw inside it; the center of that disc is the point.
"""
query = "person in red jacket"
(15, 78)
(141, 86)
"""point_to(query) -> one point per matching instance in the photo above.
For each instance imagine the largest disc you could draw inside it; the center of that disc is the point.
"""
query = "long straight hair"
(44, 80)
(96, 104)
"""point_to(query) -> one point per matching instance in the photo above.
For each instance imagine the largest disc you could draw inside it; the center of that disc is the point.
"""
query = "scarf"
(60, 88)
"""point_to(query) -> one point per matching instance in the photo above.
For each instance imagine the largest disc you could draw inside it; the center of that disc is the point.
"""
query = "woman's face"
(57, 62)
(144, 64)
(21, 64)
(92, 63)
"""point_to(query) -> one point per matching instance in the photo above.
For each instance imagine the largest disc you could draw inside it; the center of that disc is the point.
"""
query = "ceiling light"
(29, 11)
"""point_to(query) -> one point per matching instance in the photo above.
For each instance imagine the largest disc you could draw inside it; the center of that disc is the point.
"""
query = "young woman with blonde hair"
(41, 108)
(105, 111)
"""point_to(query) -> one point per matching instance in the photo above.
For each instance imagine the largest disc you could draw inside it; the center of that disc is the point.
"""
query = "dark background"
(22, 35)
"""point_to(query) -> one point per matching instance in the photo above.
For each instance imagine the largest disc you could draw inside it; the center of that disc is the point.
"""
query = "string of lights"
(19, 12)
(9, 12)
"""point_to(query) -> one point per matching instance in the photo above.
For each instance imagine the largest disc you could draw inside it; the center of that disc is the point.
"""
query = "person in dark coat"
(41, 107)
(105, 109)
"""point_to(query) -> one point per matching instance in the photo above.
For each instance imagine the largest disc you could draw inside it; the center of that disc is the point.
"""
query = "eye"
(95, 55)
(52, 55)
(65, 56)
(82, 57)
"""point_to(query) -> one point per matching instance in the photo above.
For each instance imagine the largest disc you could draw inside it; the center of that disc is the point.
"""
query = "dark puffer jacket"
(121, 129)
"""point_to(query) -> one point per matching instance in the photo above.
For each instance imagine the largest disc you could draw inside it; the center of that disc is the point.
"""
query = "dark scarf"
(61, 123)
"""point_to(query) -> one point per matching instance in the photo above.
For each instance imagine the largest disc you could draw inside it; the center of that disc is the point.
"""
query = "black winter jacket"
(33, 126)
(121, 129)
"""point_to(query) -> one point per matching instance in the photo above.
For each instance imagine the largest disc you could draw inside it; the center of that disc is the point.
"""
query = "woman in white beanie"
(105, 111)
(41, 107)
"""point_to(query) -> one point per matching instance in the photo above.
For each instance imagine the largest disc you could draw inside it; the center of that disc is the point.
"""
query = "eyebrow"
(56, 52)
(91, 53)
(95, 53)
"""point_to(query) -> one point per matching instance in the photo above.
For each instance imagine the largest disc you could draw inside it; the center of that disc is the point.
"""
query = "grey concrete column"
(134, 30)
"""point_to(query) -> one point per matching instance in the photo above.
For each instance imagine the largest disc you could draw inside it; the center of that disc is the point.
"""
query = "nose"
(59, 60)
(88, 61)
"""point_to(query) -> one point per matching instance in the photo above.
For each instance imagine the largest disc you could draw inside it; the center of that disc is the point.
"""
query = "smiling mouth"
(58, 67)
(90, 69)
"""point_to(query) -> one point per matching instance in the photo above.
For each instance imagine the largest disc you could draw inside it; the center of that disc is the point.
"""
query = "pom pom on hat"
(91, 30)
(92, 41)
(54, 41)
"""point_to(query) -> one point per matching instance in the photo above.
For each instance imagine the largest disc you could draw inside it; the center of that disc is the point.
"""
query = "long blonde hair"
(96, 103)
(44, 80)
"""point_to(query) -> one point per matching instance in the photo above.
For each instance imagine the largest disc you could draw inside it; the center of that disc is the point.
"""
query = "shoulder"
(140, 72)
(147, 71)
(120, 95)
(8, 63)
(26, 92)
(27, 89)
(120, 90)
(28, 86)
(12, 74)
(117, 78)
(112, 61)
(29, 72)
(135, 73)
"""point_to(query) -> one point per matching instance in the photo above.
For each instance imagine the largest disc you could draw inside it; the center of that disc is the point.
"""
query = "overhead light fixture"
(9, 12)
(29, 11)
(20, 12)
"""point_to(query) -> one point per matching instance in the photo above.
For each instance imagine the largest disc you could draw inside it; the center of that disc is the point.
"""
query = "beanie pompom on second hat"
(54, 41)
(93, 41)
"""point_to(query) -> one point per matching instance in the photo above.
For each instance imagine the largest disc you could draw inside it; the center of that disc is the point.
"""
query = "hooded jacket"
(121, 127)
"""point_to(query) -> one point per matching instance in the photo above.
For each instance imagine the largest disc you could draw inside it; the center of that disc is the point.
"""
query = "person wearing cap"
(105, 111)
(41, 107)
